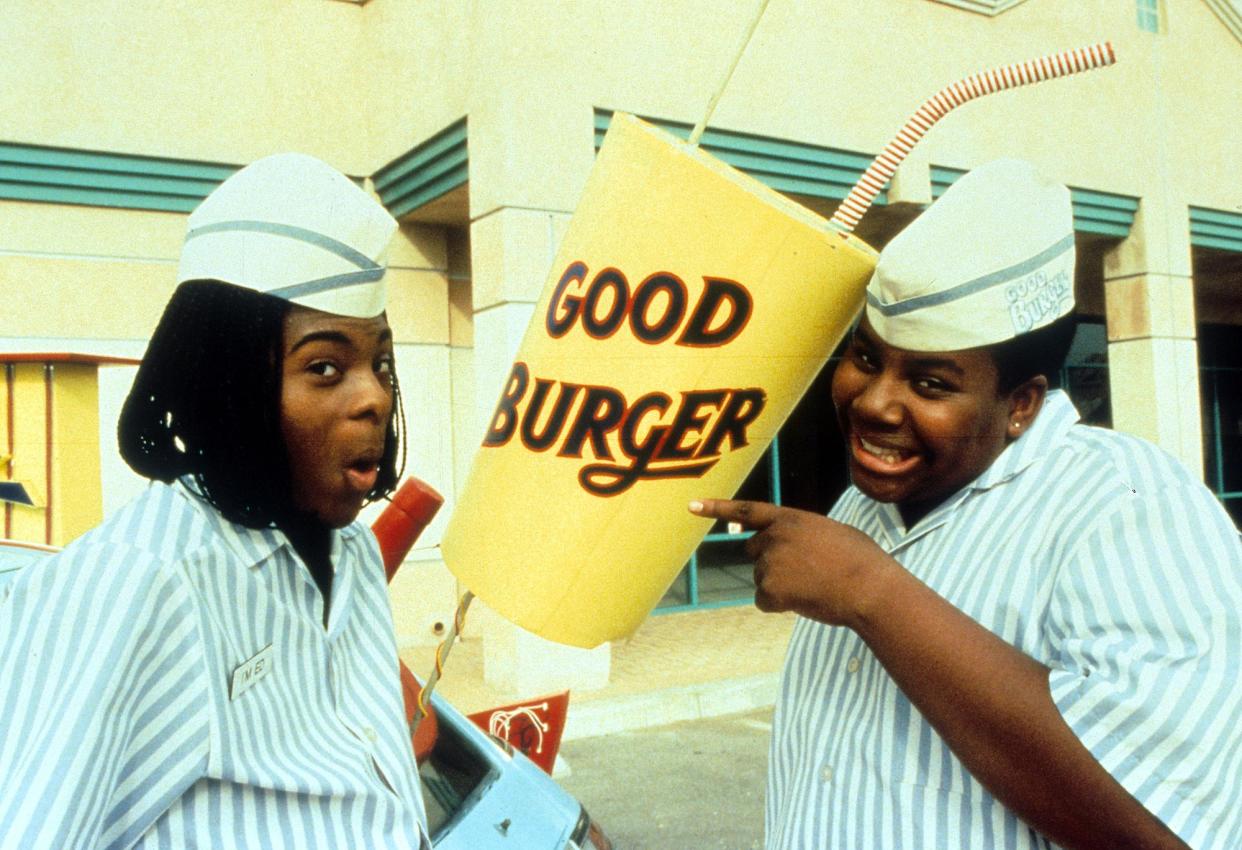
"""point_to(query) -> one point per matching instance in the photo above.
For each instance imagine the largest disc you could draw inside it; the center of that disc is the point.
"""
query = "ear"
(1025, 402)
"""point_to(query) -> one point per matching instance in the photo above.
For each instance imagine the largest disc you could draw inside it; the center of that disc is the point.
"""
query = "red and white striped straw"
(934, 108)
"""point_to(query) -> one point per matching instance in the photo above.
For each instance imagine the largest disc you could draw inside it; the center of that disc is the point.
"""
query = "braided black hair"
(206, 403)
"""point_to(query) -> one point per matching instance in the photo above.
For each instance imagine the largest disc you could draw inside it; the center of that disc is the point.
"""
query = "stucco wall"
(231, 80)
(359, 85)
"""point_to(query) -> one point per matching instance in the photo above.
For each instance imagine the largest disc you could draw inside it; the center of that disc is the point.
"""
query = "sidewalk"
(680, 666)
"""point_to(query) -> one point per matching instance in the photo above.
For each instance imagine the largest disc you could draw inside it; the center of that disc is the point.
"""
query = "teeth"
(886, 455)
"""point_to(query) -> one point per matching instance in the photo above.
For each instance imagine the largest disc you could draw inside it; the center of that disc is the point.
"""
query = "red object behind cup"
(413, 507)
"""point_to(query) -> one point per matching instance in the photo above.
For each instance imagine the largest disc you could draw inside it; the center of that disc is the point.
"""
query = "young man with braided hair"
(1015, 630)
(215, 665)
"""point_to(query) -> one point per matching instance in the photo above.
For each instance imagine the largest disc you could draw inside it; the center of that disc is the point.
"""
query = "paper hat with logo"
(993, 258)
(292, 226)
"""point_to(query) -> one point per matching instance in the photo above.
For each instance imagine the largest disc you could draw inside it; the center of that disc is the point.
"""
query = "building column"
(423, 592)
(1153, 363)
(528, 163)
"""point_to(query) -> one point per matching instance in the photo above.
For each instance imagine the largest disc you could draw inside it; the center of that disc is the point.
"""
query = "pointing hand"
(805, 562)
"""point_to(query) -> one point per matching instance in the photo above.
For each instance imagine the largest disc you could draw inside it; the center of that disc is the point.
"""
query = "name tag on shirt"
(250, 671)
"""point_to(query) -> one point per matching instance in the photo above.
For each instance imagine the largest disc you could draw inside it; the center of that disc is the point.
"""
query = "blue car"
(480, 793)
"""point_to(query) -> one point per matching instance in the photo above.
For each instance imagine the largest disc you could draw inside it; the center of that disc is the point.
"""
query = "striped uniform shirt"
(1094, 553)
(168, 682)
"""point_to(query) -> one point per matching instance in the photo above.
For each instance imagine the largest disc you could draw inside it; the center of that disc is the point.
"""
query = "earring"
(1017, 424)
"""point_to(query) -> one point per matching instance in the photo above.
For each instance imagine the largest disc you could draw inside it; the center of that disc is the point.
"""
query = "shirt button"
(826, 773)
(370, 733)
(852, 665)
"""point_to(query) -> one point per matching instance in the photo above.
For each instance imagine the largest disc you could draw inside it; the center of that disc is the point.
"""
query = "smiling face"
(921, 425)
(335, 401)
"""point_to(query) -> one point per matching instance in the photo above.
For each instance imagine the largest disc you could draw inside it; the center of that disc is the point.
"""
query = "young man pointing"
(1015, 630)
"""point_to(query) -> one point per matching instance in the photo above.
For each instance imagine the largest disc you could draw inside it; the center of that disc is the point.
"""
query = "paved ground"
(693, 785)
(672, 753)
(675, 667)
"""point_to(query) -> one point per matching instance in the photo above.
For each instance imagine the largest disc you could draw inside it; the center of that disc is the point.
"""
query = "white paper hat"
(294, 227)
(991, 259)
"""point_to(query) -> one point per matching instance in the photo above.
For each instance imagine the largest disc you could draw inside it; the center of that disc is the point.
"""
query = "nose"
(373, 396)
(879, 402)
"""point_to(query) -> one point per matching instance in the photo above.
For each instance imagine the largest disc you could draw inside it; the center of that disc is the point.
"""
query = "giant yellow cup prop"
(687, 311)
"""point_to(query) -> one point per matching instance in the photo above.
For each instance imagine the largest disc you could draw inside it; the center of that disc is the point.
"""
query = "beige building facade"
(476, 123)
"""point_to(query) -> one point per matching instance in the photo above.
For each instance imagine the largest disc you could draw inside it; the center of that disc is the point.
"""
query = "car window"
(453, 777)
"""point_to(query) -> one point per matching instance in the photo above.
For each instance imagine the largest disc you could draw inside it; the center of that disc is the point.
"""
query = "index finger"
(752, 515)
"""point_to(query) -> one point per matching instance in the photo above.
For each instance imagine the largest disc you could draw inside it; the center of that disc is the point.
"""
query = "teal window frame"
(1147, 15)
(1219, 230)
(1098, 213)
(794, 168)
(429, 170)
(689, 576)
(103, 179)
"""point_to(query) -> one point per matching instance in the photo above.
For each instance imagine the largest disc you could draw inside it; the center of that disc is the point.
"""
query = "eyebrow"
(937, 363)
(862, 335)
(337, 337)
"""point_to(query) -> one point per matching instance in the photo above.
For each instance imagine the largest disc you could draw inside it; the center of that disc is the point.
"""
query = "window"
(1085, 378)
(1149, 14)
(453, 777)
(1085, 374)
(991, 8)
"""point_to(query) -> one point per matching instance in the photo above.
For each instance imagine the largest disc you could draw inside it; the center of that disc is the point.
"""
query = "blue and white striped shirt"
(128, 717)
(1091, 551)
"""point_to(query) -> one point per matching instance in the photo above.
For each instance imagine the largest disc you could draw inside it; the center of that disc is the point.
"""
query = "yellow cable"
(442, 652)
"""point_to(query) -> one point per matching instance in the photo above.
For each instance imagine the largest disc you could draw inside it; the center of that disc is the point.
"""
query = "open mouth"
(885, 454)
(881, 459)
(362, 474)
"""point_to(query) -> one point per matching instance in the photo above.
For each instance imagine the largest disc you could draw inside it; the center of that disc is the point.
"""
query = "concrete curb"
(590, 718)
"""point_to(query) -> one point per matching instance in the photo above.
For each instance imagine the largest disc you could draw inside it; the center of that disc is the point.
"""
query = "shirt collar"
(894, 526)
(1046, 432)
(252, 545)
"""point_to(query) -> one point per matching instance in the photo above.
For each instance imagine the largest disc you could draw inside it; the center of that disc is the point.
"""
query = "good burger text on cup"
(655, 436)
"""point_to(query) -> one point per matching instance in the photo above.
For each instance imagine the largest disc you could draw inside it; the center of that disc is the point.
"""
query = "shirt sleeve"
(1145, 622)
(104, 707)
